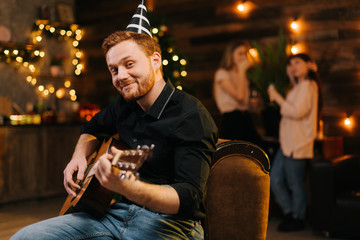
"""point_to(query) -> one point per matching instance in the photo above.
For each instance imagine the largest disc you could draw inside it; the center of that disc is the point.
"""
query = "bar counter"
(32, 160)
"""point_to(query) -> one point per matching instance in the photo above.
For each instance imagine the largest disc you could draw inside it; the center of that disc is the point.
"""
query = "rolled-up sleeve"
(197, 137)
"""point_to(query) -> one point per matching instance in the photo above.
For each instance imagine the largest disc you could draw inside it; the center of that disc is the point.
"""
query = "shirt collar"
(159, 105)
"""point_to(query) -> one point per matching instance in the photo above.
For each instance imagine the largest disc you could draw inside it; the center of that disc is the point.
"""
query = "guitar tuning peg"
(152, 146)
(138, 147)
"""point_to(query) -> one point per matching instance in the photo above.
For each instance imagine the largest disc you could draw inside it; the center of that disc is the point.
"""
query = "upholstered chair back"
(238, 192)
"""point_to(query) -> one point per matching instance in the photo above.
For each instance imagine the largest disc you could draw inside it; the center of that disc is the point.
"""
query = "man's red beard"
(143, 87)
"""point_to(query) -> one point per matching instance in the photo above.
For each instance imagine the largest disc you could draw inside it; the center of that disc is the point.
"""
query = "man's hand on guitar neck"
(159, 198)
(111, 177)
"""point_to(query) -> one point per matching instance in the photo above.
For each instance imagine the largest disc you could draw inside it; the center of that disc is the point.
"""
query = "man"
(167, 201)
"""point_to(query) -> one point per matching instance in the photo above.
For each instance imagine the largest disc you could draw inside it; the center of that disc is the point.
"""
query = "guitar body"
(94, 198)
(91, 196)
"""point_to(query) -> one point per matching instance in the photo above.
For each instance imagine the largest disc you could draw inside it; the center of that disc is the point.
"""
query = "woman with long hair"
(232, 94)
(300, 114)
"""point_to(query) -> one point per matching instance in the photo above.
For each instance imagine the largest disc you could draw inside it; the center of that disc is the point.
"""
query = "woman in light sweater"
(232, 94)
(298, 129)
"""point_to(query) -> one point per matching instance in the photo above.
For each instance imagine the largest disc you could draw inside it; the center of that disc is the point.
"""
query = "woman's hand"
(275, 95)
(243, 65)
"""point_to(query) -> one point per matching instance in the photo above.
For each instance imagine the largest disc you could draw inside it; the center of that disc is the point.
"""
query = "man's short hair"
(147, 43)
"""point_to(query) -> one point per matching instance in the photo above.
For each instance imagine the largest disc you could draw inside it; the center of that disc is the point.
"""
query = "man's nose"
(122, 74)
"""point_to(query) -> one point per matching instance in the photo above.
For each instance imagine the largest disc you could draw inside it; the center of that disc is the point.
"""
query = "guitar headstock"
(132, 159)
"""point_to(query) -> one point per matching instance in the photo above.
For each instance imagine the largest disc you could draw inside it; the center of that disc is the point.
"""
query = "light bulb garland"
(69, 33)
(21, 54)
(174, 63)
(42, 28)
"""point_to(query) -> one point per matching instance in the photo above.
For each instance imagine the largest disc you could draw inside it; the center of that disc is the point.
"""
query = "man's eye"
(114, 71)
(129, 64)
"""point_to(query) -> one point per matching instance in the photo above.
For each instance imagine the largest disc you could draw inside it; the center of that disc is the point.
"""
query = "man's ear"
(156, 60)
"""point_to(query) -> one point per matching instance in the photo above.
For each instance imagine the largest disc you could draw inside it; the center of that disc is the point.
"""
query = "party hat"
(139, 22)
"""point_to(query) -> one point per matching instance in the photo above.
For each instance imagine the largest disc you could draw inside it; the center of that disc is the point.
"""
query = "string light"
(183, 62)
(295, 25)
(72, 33)
(241, 7)
(295, 49)
(347, 122)
(174, 64)
(155, 30)
(244, 7)
(175, 58)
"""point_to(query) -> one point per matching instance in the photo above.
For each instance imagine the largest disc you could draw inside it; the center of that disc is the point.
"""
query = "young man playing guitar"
(166, 201)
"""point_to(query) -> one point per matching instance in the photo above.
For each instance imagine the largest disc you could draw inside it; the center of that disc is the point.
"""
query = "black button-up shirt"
(184, 135)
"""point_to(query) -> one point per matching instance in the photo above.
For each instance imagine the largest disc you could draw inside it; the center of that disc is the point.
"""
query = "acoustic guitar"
(94, 198)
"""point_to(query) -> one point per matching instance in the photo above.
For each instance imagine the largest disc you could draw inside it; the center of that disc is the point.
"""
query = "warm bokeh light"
(33, 81)
(51, 89)
(60, 93)
(155, 30)
(175, 58)
(77, 72)
(253, 55)
(67, 84)
(347, 122)
(79, 66)
(295, 49)
(241, 7)
(78, 54)
(183, 62)
(295, 26)
(244, 7)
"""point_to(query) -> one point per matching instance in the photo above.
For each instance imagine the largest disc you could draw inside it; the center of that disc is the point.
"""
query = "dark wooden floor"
(16, 215)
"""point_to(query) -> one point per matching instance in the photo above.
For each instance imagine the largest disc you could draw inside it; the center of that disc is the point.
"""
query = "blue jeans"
(122, 221)
(287, 181)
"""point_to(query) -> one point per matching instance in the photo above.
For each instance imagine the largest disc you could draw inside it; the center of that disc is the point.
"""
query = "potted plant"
(270, 68)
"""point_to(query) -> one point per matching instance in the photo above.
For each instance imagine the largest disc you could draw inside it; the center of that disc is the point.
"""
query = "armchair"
(238, 191)
(335, 196)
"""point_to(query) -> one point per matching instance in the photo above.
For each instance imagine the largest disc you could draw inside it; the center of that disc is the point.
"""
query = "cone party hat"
(139, 22)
